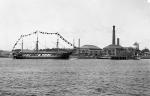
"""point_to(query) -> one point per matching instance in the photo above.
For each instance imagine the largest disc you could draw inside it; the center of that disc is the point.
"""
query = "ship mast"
(79, 46)
(22, 45)
(57, 45)
(37, 43)
(73, 43)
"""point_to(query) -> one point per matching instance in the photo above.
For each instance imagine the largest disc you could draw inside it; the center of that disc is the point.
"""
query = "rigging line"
(29, 34)
(31, 46)
(22, 37)
(64, 39)
(17, 42)
(44, 33)
(43, 45)
(59, 37)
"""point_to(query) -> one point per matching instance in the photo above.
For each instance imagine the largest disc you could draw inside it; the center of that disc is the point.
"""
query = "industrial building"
(112, 51)
(88, 52)
(116, 51)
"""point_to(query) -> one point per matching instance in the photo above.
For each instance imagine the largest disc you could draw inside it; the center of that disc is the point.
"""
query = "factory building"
(87, 52)
(90, 50)
(114, 49)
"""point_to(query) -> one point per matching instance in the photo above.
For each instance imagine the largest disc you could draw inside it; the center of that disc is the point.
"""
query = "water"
(74, 77)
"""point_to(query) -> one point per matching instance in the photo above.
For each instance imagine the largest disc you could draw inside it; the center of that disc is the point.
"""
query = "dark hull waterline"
(37, 56)
(41, 57)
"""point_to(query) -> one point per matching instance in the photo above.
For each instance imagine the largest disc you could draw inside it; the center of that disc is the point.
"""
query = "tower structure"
(113, 36)
(22, 45)
(118, 41)
(37, 44)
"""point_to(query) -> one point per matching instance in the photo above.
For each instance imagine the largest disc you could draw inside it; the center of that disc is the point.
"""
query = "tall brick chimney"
(118, 42)
(113, 36)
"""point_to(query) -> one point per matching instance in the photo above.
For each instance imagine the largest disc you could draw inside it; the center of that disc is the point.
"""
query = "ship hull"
(41, 56)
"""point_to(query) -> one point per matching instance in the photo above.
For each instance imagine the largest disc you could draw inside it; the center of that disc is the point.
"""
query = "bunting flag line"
(44, 33)
(16, 43)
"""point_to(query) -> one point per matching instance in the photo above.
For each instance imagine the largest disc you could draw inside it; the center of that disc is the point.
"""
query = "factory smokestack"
(118, 42)
(113, 36)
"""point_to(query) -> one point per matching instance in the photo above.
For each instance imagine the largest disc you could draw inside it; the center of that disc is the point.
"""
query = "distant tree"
(145, 50)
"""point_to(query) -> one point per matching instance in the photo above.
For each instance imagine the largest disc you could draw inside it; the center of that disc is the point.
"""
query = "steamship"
(55, 53)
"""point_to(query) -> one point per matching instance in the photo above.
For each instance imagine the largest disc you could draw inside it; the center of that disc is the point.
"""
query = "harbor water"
(74, 77)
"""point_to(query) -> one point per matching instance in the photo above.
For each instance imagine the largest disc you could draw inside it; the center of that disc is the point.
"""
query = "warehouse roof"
(90, 47)
(112, 46)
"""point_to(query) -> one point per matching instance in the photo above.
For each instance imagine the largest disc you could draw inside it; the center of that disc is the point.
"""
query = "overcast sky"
(90, 20)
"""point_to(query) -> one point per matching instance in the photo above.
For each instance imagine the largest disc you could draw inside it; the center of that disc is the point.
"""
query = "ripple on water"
(74, 78)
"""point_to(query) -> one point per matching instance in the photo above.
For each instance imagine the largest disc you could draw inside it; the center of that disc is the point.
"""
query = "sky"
(89, 20)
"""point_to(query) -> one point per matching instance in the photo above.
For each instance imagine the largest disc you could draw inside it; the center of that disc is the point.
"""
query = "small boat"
(104, 57)
(136, 58)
